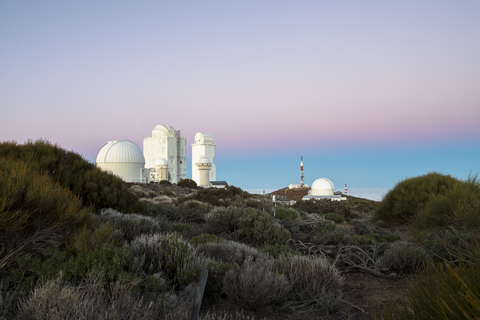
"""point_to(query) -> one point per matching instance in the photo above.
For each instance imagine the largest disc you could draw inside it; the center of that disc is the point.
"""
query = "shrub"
(230, 252)
(335, 217)
(247, 223)
(255, 285)
(286, 213)
(328, 234)
(169, 254)
(276, 250)
(193, 211)
(95, 187)
(187, 183)
(205, 238)
(56, 299)
(35, 211)
(442, 292)
(168, 193)
(133, 225)
(405, 257)
(165, 182)
(430, 200)
(315, 281)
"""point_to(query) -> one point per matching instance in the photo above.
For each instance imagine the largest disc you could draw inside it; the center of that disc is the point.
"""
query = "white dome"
(164, 128)
(120, 151)
(204, 161)
(161, 162)
(322, 187)
(203, 138)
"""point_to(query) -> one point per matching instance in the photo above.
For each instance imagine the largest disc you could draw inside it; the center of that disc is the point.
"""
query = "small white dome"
(124, 151)
(322, 187)
(161, 162)
(204, 161)
(203, 138)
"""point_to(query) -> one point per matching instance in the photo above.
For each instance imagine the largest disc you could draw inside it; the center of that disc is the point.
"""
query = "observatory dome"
(322, 187)
(204, 160)
(161, 162)
(120, 151)
(122, 158)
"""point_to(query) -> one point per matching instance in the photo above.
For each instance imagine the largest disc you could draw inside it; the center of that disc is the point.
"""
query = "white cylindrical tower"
(203, 166)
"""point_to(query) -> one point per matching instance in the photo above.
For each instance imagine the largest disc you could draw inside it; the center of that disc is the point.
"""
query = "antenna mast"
(302, 182)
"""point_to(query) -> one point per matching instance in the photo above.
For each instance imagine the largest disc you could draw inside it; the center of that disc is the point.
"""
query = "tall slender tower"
(302, 181)
(203, 147)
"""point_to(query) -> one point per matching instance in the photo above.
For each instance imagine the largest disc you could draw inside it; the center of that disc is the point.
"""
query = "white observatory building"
(122, 158)
(203, 167)
(203, 149)
(323, 189)
(167, 143)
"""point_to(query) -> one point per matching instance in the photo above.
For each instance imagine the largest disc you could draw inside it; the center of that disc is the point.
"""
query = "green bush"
(165, 182)
(193, 211)
(286, 213)
(255, 285)
(105, 264)
(95, 187)
(231, 252)
(187, 183)
(168, 193)
(133, 225)
(335, 217)
(169, 254)
(205, 238)
(405, 257)
(328, 234)
(247, 224)
(430, 201)
(442, 292)
(315, 282)
(35, 211)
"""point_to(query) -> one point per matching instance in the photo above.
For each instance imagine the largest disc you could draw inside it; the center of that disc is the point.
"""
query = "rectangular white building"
(167, 143)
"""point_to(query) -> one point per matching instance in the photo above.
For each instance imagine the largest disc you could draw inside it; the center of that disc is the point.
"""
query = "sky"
(368, 92)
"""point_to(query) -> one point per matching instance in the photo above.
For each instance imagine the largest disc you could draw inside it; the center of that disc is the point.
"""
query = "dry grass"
(255, 285)
(316, 283)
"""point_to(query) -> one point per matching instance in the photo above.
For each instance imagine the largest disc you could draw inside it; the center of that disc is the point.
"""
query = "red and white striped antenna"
(302, 182)
(346, 190)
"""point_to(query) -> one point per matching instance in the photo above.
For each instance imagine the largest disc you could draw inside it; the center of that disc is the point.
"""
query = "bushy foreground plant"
(34, 211)
(286, 213)
(168, 254)
(430, 200)
(133, 225)
(247, 223)
(335, 217)
(255, 285)
(95, 187)
(406, 257)
(442, 292)
(315, 282)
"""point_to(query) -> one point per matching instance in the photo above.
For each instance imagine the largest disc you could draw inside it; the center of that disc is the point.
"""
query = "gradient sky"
(369, 92)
